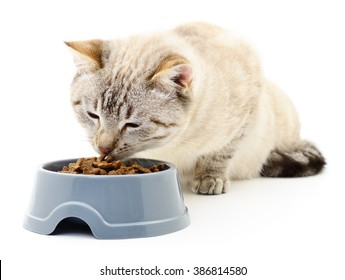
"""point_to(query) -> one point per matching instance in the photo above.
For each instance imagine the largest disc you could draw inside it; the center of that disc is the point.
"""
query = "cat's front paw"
(210, 185)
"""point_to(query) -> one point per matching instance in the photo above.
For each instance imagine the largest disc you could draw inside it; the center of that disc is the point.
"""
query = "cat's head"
(128, 97)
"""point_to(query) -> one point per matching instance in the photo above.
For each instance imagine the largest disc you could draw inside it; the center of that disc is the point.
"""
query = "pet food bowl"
(113, 206)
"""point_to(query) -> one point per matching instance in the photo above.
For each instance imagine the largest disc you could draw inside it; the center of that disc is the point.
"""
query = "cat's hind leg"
(302, 159)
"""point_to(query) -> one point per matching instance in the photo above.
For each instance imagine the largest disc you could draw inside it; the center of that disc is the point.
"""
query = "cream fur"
(235, 116)
(238, 76)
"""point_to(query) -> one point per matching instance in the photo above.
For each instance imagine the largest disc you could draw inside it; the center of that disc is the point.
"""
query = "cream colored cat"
(195, 96)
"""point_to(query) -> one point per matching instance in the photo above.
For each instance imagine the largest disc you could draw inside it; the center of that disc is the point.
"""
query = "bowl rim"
(170, 168)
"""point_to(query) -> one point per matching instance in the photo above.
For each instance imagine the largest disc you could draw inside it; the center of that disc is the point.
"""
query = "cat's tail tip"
(302, 160)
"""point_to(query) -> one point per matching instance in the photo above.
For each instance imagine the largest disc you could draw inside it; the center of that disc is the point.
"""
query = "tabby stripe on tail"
(305, 160)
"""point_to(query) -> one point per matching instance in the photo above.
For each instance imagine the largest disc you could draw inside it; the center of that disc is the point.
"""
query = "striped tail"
(303, 160)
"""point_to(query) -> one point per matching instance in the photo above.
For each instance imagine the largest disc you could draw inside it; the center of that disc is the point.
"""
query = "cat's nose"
(105, 150)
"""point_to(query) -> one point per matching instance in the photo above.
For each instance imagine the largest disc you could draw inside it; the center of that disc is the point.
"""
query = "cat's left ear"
(86, 54)
(173, 73)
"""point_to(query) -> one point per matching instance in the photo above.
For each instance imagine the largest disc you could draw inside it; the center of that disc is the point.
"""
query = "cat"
(195, 96)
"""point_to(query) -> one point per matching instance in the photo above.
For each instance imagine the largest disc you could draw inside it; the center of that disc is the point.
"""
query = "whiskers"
(147, 163)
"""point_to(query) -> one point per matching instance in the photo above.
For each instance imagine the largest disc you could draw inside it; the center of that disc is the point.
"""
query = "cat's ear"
(86, 54)
(173, 73)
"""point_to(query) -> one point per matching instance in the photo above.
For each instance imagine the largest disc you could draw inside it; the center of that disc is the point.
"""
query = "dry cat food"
(107, 166)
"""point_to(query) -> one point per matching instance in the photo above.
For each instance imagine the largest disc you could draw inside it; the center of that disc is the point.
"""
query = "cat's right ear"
(86, 54)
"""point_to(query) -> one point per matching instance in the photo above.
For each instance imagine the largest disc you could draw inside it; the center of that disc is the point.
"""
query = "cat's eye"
(92, 115)
(132, 125)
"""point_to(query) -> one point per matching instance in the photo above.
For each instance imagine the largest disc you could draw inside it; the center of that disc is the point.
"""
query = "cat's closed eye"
(132, 125)
(92, 115)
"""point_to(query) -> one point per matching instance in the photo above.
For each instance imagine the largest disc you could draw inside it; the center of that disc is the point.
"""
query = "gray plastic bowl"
(114, 206)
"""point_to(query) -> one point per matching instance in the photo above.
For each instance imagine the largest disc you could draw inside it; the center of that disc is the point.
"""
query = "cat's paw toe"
(210, 185)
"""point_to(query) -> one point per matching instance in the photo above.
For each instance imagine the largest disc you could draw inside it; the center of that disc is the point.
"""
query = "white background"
(277, 228)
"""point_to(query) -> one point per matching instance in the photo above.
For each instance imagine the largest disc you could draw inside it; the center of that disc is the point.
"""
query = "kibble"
(104, 165)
